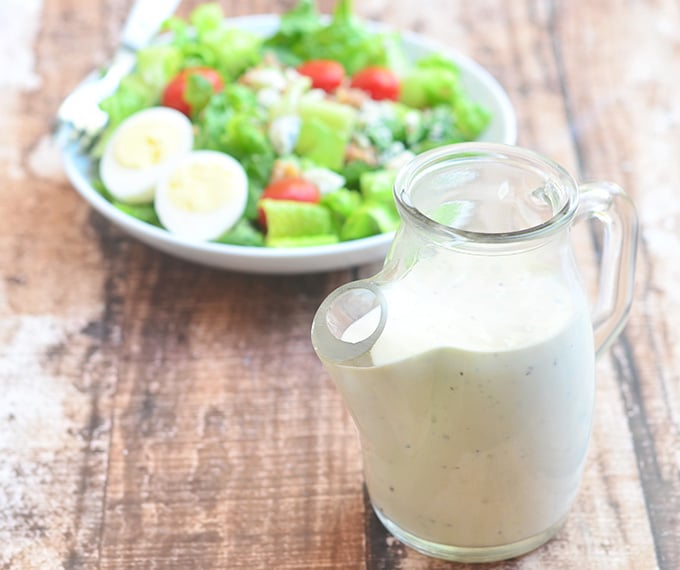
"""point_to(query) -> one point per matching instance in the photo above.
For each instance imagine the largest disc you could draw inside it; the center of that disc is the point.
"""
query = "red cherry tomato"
(294, 189)
(173, 95)
(325, 74)
(378, 82)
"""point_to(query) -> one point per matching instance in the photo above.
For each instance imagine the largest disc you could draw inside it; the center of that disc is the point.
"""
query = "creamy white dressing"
(476, 413)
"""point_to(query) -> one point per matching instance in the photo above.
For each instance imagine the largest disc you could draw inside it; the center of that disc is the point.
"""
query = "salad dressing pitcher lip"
(475, 152)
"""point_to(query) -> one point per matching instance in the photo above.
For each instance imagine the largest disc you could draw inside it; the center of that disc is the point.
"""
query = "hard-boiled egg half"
(202, 196)
(141, 150)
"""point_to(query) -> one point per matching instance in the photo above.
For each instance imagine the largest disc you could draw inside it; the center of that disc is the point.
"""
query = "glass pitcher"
(467, 362)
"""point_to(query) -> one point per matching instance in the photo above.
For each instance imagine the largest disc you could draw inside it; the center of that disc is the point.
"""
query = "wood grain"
(609, 95)
(157, 414)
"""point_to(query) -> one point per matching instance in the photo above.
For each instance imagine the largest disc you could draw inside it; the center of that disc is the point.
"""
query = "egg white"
(138, 185)
(207, 224)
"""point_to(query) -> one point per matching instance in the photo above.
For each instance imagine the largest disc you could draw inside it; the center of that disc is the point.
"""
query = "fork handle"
(146, 17)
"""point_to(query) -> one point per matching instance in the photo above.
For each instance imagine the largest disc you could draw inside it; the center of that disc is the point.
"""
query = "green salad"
(220, 134)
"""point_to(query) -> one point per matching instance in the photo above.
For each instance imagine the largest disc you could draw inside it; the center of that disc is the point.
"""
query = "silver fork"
(79, 120)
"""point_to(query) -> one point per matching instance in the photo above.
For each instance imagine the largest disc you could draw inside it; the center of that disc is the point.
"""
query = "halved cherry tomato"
(294, 189)
(173, 95)
(378, 82)
(325, 74)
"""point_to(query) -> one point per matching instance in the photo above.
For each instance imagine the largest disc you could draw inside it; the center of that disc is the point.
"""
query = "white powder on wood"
(40, 444)
(17, 54)
(45, 160)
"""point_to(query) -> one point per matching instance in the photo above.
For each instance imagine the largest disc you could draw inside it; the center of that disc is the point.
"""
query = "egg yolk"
(145, 144)
(199, 188)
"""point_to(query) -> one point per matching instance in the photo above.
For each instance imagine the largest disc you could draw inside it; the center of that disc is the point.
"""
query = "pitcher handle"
(607, 203)
(339, 310)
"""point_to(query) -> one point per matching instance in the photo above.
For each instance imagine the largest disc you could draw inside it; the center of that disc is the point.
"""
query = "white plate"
(480, 85)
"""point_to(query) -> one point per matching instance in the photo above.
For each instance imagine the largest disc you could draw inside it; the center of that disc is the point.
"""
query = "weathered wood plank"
(156, 414)
(56, 370)
(622, 69)
(230, 449)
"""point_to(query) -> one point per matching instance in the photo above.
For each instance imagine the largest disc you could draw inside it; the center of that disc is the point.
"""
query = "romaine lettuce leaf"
(158, 64)
(346, 39)
(295, 24)
(198, 92)
(288, 219)
(434, 84)
(207, 18)
(369, 219)
(243, 233)
(232, 122)
(211, 42)
(144, 212)
(434, 80)
(234, 50)
(378, 186)
(341, 203)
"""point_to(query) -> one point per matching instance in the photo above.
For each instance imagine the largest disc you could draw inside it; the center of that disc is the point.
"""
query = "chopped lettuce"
(341, 203)
(434, 83)
(296, 24)
(198, 92)
(144, 212)
(352, 171)
(345, 39)
(158, 64)
(471, 117)
(288, 219)
(235, 50)
(207, 19)
(434, 80)
(350, 153)
(325, 132)
(232, 122)
(211, 42)
(377, 185)
(376, 212)
(369, 219)
(242, 233)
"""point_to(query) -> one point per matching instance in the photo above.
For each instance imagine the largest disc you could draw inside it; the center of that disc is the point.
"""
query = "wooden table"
(158, 414)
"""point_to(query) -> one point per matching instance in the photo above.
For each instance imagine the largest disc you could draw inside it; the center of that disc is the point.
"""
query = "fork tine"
(67, 134)
(88, 142)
